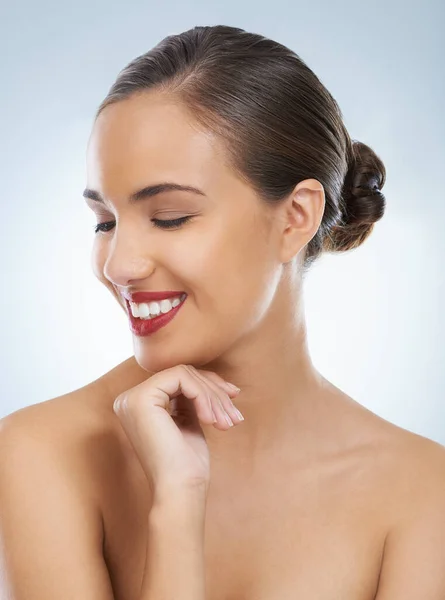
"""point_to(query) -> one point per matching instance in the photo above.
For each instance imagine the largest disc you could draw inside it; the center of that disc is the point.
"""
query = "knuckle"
(190, 370)
(117, 404)
(120, 403)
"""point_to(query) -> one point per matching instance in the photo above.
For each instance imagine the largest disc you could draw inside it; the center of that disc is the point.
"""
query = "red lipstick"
(143, 327)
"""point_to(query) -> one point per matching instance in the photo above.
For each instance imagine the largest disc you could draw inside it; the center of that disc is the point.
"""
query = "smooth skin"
(162, 419)
(311, 496)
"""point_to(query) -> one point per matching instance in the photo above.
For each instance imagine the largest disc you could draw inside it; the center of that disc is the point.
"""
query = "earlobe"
(303, 214)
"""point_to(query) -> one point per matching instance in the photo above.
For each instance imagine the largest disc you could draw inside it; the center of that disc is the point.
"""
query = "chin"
(153, 362)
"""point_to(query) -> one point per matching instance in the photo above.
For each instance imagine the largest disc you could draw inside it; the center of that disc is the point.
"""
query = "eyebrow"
(146, 192)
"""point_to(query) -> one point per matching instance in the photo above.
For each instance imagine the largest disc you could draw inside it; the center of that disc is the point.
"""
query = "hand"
(161, 417)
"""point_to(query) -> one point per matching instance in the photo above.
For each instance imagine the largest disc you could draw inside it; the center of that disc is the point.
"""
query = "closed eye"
(162, 224)
(170, 223)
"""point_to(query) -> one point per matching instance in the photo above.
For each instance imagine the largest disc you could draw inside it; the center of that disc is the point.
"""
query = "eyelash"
(162, 224)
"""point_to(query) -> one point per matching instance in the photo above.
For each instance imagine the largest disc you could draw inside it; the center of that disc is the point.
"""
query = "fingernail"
(239, 414)
(229, 420)
(232, 387)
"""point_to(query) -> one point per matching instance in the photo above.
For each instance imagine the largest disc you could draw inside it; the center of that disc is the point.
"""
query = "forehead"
(149, 136)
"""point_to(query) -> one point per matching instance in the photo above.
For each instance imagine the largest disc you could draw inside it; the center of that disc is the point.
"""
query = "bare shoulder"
(399, 469)
(409, 492)
(53, 467)
(409, 467)
(81, 419)
(72, 428)
(418, 467)
(80, 428)
(410, 454)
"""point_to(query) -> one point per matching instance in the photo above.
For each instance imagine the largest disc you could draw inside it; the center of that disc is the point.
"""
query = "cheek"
(247, 255)
(253, 275)
(231, 271)
(97, 261)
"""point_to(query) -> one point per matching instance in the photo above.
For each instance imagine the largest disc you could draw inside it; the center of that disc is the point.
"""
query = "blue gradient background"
(374, 315)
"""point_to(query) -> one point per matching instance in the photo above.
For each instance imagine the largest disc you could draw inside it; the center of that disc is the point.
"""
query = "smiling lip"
(143, 327)
(139, 297)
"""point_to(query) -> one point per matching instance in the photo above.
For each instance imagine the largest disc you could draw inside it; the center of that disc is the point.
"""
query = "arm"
(50, 531)
(413, 563)
(174, 568)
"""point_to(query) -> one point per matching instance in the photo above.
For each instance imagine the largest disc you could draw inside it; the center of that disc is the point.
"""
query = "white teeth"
(143, 310)
(155, 308)
(165, 306)
(149, 310)
(134, 309)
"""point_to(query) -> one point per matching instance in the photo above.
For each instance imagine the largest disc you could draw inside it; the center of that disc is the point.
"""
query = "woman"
(219, 169)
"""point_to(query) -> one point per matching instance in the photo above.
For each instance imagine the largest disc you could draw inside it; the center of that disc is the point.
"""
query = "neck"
(279, 390)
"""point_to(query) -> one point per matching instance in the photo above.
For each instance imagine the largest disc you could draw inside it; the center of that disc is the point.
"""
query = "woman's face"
(224, 257)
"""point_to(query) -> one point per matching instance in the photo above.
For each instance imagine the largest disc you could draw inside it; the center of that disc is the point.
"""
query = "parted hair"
(279, 123)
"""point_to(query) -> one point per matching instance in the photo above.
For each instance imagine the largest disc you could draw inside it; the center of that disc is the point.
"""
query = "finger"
(226, 399)
(222, 421)
(229, 388)
(222, 406)
(171, 383)
(185, 409)
(202, 404)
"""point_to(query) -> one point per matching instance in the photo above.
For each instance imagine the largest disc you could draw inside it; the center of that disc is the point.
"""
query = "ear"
(301, 217)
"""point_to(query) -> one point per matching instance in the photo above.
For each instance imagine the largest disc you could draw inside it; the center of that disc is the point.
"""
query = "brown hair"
(279, 123)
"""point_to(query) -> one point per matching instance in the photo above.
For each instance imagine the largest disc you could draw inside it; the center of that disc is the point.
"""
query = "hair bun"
(363, 203)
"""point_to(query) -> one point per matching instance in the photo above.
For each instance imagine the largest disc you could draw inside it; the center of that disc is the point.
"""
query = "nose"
(128, 258)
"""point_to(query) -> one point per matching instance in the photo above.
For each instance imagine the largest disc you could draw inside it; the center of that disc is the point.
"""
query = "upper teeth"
(149, 310)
